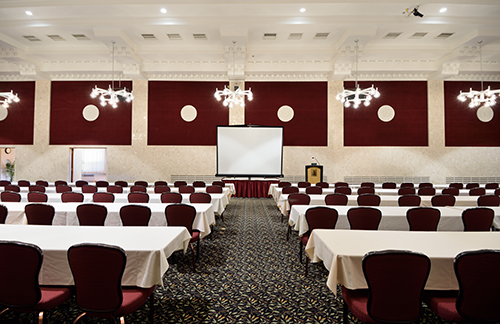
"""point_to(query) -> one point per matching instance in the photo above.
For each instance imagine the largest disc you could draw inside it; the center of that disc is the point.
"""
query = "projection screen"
(249, 151)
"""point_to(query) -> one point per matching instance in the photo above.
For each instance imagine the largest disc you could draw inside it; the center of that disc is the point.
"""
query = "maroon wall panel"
(18, 127)
(462, 127)
(165, 102)
(67, 125)
(309, 100)
(362, 127)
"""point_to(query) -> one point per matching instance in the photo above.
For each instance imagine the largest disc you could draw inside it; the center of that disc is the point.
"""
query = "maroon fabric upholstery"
(368, 200)
(141, 183)
(443, 304)
(89, 189)
(103, 197)
(3, 214)
(251, 188)
(283, 184)
(63, 188)
(60, 183)
(200, 198)
(457, 185)
(135, 215)
(138, 188)
(477, 192)
(138, 197)
(338, 199)
(364, 218)
(409, 201)
(478, 219)
(290, 189)
(39, 214)
(450, 191)
(81, 183)
(36, 188)
(199, 184)
(443, 200)
(488, 201)
(186, 189)
(323, 184)
(406, 191)
(426, 191)
(472, 185)
(3, 183)
(368, 184)
(121, 183)
(161, 189)
(497, 192)
(298, 199)
(10, 196)
(180, 183)
(303, 184)
(214, 189)
(101, 184)
(389, 185)
(171, 198)
(314, 190)
(91, 214)
(160, 183)
(37, 197)
(115, 189)
(366, 190)
(42, 183)
(423, 218)
(491, 185)
(407, 185)
(13, 188)
(23, 183)
(343, 190)
(69, 196)
(425, 185)
(218, 183)
(341, 184)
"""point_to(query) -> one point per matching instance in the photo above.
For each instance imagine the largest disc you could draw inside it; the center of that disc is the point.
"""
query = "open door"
(88, 164)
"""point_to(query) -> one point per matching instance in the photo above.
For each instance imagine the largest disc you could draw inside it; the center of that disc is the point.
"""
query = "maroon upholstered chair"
(103, 197)
(160, 183)
(161, 189)
(368, 200)
(19, 273)
(457, 185)
(138, 188)
(91, 214)
(491, 185)
(303, 184)
(497, 192)
(199, 184)
(314, 190)
(477, 192)
(341, 184)
(39, 214)
(67, 197)
(97, 272)
(317, 218)
(63, 188)
(423, 218)
(121, 183)
(138, 197)
(426, 191)
(10, 196)
(81, 183)
(478, 219)
(143, 183)
(42, 183)
(114, 189)
(396, 280)
(488, 201)
(13, 188)
(407, 185)
(368, 184)
(364, 218)
(219, 183)
(23, 183)
(171, 198)
(450, 191)
(184, 215)
(472, 185)
(389, 185)
(186, 189)
(443, 200)
(343, 190)
(135, 215)
(60, 183)
(180, 183)
(479, 284)
(3, 214)
(37, 197)
(366, 190)
(406, 191)
(3, 183)
(296, 199)
(283, 184)
(425, 185)
(409, 201)
(336, 199)
(200, 198)
(36, 188)
(290, 190)
(214, 189)
(89, 189)
(323, 184)
(101, 183)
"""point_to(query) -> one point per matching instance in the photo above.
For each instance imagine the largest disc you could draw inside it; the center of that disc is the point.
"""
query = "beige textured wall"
(139, 161)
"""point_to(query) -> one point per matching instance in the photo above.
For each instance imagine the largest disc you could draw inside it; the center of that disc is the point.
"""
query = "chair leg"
(300, 251)
(307, 265)
(193, 256)
(287, 231)
(222, 216)
(345, 315)
(79, 317)
(198, 249)
(151, 308)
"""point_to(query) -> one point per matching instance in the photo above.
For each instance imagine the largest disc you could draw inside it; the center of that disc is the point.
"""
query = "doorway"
(7, 156)
(88, 164)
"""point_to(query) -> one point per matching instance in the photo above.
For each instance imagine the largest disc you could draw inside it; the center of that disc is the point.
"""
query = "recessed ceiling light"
(443, 10)
(302, 9)
(163, 10)
(29, 13)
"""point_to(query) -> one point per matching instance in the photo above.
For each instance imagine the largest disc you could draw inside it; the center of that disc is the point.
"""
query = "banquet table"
(65, 215)
(147, 252)
(342, 252)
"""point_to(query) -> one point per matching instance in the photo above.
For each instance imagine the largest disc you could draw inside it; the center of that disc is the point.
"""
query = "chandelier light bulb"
(8, 98)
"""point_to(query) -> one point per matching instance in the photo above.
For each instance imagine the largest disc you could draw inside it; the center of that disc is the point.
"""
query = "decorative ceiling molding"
(389, 76)
(286, 77)
(14, 77)
(84, 76)
(476, 77)
(188, 76)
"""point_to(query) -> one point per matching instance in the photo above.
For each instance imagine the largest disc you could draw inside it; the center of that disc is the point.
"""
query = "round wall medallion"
(485, 114)
(3, 112)
(285, 113)
(386, 113)
(90, 113)
(188, 113)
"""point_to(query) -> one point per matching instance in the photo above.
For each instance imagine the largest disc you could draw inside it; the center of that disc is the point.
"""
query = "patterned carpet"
(247, 273)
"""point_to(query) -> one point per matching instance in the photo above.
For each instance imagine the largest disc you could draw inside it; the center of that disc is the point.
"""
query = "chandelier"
(8, 98)
(485, 97)
(357, 96)
(236, 97)
(112, 95)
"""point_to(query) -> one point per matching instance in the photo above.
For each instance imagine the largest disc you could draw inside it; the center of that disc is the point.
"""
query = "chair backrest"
(457, 185)
(138, 197)
(425, 185)
(21, 263)
(10, 196)
(478, 219)
(97, 272)
(89, 189)
(389, 185)
(115, 189)
(423, 218)
(479, 284)
(218, 183)
(13, 188)
(366, 190)
(160, 183)
(23, 183)
(497, 192)
(171, 198)
(91, 214)
(70, 196)
(63, 188)
(101, 183)
(121, 183)
(3, 214)
(214, 189)
(341, 184)
(323, 184)
(283, 184)
(314, 190)
(103, 197)
(472, 185)
(426, 191)
(39, 214)
(343, 190)
(364, 218)
(141, 183)
(488, 201)
(60, 183)
(135, 215)
(443, 200)
(396, 281)
(180, 183)
(36, 188)
(161, 189)
(81, 183)
(321, 218)
(200, 198)
(290, 189)
(37, 197)
(491, 185)
(42, 183)
(199, 184)
(406, 185)
(409, 201)
(3, 183)
(180, 215)
(450, 191)
(338, 199)
(477, 192)
(298, 199)
(368, 184)
(368, 200)
(138, 188)
(406, 191)
(303, 184)
(186, 189)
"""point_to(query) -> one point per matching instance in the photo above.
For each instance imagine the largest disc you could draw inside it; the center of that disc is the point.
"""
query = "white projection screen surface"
(249, 151)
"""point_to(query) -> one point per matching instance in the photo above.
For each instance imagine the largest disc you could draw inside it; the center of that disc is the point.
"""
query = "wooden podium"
(314, 173)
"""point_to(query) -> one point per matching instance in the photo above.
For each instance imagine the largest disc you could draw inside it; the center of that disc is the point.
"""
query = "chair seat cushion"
(195, 236)
(133, 298)
(305, 238)
(52, 297)
(357, 300)
(445, 308)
